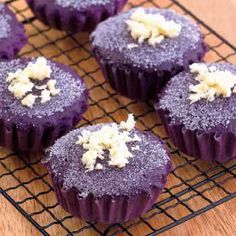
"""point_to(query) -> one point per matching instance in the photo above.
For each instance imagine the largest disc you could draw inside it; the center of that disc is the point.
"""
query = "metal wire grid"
(192, 184)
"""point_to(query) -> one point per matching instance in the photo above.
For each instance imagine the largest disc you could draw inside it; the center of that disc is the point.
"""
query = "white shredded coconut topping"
(151, 27)
(29, 100)
(45, 96)
(129, 124)
(212, 83)
(51, 84)
(23, 81)
(112, 138)
(38, 70)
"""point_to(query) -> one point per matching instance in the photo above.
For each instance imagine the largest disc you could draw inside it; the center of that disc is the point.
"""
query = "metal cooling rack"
(192, 184)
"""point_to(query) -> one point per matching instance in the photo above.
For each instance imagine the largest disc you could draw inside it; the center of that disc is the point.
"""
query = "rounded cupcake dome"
(140, 70)
(73, 15)
(110, 194)
(12, 34)
(28, 127)
(202, 128)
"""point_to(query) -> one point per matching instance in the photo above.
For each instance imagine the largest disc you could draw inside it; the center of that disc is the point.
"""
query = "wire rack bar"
(24, 213)
(184, 219)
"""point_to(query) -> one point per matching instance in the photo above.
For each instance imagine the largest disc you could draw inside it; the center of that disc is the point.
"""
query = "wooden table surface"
(220, 221)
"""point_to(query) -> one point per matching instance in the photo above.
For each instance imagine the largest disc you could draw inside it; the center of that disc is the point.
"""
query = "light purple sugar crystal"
(149, 167)
(81, 3)
(112, 37)
(71, 88)
(4, 22)
(202, 115)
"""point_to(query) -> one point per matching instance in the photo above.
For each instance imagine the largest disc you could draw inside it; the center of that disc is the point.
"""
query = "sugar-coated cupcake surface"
(203, 128)
(12, 35)
(111, 41)
(82, 4)
(143, 172)
(30, 128)
(108, 194)
(75, 16)
(71, 90)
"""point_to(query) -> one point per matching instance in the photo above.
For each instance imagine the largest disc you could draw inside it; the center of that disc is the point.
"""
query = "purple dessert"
(12, 34)
(108, 194)
(33, 119)
(204, 127)
(73, 15)
(139, 68)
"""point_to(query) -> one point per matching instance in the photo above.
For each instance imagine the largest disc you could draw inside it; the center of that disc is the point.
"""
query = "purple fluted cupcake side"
(73, 19)
(207, 146)
(34, 138)
(107, 209)
(139, 84)
(15, 39)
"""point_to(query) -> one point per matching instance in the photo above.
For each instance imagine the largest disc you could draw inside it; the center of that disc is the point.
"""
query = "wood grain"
(215, 222)
(218, 221)
(219, 14)
(12, 222)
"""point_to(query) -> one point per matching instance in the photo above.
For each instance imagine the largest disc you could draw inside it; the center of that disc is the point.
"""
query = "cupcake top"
(135, 165)
(82, 4)
(127, 38)
(38, 89)
(203, 98)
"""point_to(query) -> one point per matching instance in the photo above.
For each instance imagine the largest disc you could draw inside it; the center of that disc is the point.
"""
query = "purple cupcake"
(12, 34)
(199, 112)
(75, 15)
(140, 50)
(108, 173)
(40, 101)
